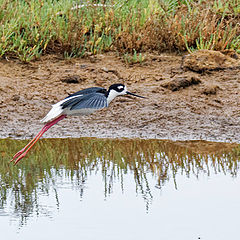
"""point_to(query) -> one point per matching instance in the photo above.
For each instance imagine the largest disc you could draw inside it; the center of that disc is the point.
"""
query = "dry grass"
(32, 28)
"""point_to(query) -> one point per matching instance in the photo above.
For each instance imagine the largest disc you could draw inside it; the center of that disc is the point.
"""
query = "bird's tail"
(55, 112)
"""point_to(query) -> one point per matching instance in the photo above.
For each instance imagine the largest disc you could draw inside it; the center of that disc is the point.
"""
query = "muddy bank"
(181, 104)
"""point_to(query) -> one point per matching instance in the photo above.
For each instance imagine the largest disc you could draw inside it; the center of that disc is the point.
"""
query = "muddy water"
(120, 189)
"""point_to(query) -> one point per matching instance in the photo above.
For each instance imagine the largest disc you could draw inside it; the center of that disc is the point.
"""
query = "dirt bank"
(181, 104)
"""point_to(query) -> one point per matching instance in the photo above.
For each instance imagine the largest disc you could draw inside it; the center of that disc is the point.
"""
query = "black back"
(88, 91)
(94, 97)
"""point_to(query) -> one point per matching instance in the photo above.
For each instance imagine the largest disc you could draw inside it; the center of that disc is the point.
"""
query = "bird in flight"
(83, 102)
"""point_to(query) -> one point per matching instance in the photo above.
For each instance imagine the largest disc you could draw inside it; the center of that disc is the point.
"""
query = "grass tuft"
(31, 28)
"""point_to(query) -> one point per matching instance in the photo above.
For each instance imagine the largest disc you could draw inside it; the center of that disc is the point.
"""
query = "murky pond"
(120, 189)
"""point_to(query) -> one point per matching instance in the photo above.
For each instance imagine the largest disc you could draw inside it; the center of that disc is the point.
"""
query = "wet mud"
(181, 104)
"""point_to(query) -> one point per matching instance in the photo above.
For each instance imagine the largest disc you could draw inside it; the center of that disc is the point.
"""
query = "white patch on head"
(120, 87)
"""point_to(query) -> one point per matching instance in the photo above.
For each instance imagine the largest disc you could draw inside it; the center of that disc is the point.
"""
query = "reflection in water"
(58, 161)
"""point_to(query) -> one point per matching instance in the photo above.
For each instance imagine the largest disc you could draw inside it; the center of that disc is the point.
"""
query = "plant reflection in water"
(73, 160)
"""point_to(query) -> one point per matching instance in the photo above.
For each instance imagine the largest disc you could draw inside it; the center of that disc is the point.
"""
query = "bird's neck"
(111, 94)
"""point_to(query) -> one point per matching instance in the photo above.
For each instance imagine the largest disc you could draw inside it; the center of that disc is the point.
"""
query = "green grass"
(31, 28)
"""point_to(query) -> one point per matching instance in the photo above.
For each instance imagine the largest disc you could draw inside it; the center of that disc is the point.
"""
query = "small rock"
(210, 90)
(204, 60)
(105, 69)
(82, 66)
(15, 97)
(231, 53)
(93, 59)
(181, 82)
(72, 79)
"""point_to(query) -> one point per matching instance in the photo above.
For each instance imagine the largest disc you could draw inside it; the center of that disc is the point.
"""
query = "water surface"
(120, 189)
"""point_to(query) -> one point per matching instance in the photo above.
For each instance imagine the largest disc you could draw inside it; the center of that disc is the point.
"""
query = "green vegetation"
(31, 28)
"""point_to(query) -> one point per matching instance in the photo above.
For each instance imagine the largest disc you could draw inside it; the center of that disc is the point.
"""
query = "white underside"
(84, 111)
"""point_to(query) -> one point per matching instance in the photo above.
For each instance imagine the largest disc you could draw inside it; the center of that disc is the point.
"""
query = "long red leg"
(22, 153)
(22, 150)
(29, 144)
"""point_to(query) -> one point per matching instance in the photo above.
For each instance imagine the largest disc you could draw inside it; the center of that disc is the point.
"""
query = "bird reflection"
(75, 160)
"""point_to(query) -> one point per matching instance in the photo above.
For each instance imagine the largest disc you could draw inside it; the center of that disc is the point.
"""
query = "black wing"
(92, 100)
(88, 91)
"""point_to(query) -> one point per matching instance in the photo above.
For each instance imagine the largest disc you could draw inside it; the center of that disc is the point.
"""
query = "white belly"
(84, 111)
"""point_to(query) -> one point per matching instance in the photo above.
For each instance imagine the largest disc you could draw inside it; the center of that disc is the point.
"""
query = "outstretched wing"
(88, 91)
(88, 101)
(91, 98)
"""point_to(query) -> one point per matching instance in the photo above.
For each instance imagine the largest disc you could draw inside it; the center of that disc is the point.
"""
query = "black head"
(118, 87)
(117, 90)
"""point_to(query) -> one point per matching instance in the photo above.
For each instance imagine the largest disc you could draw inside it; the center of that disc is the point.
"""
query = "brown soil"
(181, 104)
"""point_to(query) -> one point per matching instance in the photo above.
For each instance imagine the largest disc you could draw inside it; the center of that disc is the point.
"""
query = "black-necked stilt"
(82, 102)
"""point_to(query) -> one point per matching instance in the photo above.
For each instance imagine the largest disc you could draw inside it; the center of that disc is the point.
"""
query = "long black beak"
(134, 95)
